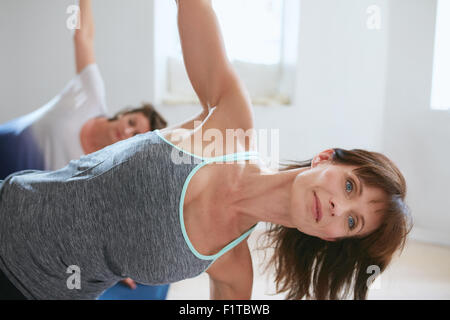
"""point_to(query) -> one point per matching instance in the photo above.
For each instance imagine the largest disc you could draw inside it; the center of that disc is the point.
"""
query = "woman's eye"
(348, 186)
(131, 122)
(351, 222)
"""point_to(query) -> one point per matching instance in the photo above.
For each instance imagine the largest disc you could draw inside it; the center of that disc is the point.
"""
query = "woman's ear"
(324, 156)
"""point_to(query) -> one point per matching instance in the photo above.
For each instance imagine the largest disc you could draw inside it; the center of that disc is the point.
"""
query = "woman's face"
(127, 126)
(330, 202)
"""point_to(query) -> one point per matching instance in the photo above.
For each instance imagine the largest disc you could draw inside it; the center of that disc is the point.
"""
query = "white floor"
(421, 272)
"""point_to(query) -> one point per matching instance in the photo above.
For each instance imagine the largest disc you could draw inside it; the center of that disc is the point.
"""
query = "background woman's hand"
(129, 283)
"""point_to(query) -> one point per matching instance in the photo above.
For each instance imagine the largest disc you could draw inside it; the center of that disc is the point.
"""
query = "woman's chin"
(311, 233)
(306, 231)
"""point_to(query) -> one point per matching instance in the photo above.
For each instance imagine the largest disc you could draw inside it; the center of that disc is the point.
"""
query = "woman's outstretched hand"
(129, 283)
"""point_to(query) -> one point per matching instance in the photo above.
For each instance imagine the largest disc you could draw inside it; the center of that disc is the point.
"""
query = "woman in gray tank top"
(168, 205)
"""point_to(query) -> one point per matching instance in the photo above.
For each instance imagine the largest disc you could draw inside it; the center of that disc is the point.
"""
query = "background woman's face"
(128, 125)
(330, 202)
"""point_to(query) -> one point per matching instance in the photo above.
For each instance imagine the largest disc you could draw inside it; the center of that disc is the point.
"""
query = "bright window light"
(252, 29)
(255, 36)
(440, 92)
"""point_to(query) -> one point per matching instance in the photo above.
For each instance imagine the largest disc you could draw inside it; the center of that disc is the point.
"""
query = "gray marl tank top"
(113, 214)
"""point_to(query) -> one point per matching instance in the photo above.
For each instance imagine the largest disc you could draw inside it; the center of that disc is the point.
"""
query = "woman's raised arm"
(209, 70)
(84, 37)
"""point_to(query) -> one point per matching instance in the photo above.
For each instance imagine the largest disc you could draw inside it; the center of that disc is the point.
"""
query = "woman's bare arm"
(207, 65)
(84, 37)
(231, 276)
(210, 72)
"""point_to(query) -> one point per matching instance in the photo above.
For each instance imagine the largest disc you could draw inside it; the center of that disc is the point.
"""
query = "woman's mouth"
(317, 208)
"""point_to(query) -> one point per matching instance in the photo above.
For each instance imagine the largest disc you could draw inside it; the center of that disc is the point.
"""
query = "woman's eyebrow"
(360, 189)
(360, 186)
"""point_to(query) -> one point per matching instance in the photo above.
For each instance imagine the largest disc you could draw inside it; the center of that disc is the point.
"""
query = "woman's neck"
(263, 195)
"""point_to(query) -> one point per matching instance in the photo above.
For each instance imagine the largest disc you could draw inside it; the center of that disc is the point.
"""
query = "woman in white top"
(75, 121)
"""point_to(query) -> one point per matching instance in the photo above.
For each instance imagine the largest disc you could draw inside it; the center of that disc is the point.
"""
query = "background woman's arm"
(84, 37)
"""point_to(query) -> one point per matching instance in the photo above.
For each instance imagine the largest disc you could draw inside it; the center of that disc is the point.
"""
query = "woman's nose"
(129, 132)
(336, 209)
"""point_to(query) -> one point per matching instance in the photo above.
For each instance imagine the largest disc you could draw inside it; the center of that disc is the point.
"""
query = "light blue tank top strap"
(225, 158)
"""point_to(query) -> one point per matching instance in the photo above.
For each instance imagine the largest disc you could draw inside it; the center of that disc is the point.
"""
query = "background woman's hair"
(156, 121)
(311, 268)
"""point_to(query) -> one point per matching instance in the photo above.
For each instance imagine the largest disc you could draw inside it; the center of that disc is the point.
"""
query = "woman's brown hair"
(311, 268)
(155, 120)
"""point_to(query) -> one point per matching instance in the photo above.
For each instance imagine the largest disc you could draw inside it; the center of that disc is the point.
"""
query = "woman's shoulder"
(214, 137)
(232, 120)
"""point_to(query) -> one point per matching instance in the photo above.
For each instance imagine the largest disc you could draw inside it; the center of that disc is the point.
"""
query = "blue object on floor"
(142, 292)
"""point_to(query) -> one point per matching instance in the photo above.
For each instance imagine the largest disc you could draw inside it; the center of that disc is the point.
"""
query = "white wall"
(37, 60)
(340, 81)
(35, 49)
(416, 137)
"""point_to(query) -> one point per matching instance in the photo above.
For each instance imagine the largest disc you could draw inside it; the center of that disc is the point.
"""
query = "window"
(440, 90)
(257, 34)
(252, 29)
